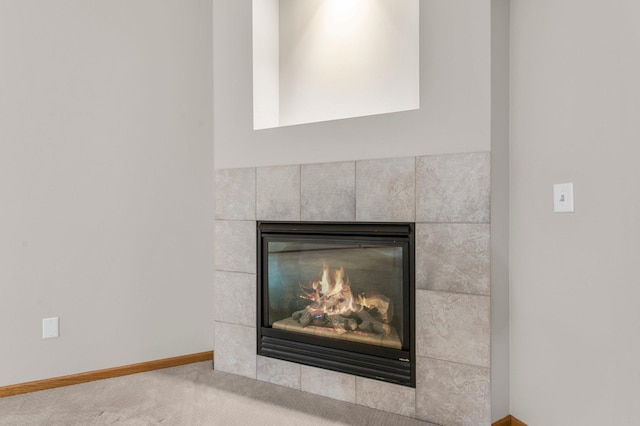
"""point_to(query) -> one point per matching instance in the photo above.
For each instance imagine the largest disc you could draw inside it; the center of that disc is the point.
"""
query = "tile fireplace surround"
(448, 197)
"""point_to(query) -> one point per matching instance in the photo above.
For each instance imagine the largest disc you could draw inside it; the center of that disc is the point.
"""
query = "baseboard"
(91, 376)
(509, 421)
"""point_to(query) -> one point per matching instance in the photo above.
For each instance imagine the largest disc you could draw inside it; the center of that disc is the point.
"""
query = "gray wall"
(106, 171)
(500, 208)
(575, 104)
(455, 93)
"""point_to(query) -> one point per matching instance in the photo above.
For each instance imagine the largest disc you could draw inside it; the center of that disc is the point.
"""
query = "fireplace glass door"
(337, 287)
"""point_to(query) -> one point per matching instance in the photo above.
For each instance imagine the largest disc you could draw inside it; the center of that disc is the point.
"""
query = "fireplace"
(338, 296)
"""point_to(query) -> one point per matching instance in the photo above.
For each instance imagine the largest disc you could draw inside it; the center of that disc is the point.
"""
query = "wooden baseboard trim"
(91, 376)
(509, 421)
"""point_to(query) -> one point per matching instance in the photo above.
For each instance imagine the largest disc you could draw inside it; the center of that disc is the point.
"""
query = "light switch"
(563, 198)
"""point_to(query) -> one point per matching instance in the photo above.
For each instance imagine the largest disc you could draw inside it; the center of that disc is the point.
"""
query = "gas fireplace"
(338, 296)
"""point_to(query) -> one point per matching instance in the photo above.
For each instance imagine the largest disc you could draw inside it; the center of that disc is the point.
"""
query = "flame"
(331, 293)
(333, 304)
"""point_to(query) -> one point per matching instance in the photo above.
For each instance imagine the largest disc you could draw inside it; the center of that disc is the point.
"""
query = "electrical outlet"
(50, 328)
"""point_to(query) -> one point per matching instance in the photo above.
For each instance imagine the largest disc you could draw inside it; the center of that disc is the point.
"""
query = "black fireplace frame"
(376, 362)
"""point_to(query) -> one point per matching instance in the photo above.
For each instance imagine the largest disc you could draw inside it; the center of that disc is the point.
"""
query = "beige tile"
(386, 396)
(279, 372)
(329, 192)
(328, 383)
(278, 193)
(385, 190)
(235, 298)
(235, 349)
(453, 327)
(453, 188)
(452, 394)
(453, 258)
(235, 246)
(235, 194)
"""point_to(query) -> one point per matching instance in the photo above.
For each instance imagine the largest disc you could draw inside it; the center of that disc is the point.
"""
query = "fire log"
(382, 306)
(313, 312)
(342, 323)
(302, 316)
(368, 323)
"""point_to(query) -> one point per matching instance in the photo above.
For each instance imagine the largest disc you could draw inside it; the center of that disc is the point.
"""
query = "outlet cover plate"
(50, 328)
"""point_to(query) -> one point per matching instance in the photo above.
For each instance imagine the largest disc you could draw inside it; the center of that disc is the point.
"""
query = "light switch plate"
(563, 198)
(50, 328)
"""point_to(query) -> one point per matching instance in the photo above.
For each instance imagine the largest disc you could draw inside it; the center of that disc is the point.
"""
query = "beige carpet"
(192, 394)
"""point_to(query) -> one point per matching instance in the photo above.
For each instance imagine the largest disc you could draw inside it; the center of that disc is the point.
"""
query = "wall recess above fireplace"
(338, 296)
(319, 60)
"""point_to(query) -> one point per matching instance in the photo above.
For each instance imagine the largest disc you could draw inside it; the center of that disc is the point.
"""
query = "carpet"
(192, 394)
